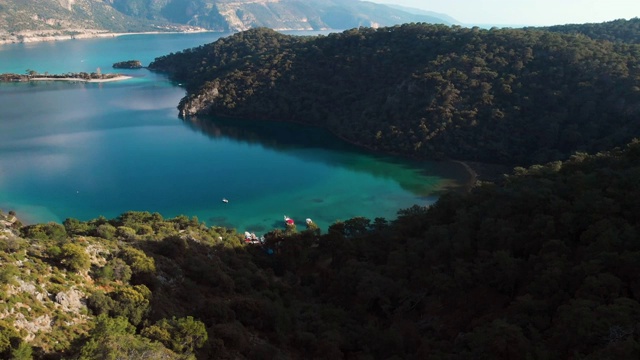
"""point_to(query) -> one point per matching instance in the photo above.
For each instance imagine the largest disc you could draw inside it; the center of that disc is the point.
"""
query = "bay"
(83, 150)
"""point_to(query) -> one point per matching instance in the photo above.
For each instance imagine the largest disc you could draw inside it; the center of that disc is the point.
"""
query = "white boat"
(224, 200)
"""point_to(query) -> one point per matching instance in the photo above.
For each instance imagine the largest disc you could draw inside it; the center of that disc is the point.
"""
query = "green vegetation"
(129, 64)
(542, 266)
(427, 91)
(615, 31)
(72, 292)
(34, 75)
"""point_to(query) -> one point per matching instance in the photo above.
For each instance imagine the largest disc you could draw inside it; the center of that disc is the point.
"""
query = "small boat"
(251, 238)
(224, 200)
(309, 222)
(288, 221)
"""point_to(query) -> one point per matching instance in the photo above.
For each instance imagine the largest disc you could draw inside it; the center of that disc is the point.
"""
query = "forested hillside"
(501, 95)
(627, 31)
(544, 266)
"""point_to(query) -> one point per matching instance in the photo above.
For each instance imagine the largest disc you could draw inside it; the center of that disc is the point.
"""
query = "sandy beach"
(115, 78)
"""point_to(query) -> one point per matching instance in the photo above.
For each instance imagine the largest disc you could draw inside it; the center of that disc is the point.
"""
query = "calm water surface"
(86, 149)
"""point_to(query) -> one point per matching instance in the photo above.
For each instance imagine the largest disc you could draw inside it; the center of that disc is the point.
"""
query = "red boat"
(288, 221)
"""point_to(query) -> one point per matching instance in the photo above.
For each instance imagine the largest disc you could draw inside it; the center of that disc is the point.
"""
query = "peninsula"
(79, 76)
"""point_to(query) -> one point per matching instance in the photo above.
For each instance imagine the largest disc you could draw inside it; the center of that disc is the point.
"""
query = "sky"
(527, 12)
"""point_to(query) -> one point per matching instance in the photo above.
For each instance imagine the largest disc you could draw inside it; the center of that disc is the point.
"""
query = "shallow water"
(87, 149)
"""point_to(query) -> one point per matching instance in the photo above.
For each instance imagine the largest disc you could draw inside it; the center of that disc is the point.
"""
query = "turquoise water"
(88, 149)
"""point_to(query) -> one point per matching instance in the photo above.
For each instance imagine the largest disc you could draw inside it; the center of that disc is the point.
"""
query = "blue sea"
(81, 150)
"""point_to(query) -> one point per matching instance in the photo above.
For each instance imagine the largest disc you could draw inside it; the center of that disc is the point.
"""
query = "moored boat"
(288, 221)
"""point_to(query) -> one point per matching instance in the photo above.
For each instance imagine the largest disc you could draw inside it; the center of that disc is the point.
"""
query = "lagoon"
(83, 150)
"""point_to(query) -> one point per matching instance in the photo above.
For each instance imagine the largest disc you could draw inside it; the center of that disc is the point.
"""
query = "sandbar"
(115, 78)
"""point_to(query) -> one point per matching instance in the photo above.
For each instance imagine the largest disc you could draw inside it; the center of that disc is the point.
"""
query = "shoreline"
(484, 172)
(477, 171)
(115, 78)
(473, 175)
(92, 35)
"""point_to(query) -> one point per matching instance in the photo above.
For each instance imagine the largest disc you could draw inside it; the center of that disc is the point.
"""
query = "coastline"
(88, 34)
(484, 172)
(115, 78)
(473, 175)
(477, 171)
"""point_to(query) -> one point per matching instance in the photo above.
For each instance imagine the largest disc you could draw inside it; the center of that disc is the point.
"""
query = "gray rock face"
(71, 300)
(30, 289)
(32, 326)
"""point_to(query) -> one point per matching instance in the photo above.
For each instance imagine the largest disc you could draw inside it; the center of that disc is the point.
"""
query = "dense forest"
(510, 96)
(626, 31)
(543, 266)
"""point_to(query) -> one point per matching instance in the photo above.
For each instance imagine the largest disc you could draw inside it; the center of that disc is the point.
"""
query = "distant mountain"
(20, 19)
(234, 15)
(448, 19)
(59, 15)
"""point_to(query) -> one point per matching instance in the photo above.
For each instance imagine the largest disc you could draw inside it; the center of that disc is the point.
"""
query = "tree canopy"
(510, 96)
(543, 265)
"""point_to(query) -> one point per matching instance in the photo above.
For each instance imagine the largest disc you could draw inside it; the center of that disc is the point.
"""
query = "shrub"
(74, 257)
(126, 233)
(180, 335)
(138, 260)
(13, 244)
(8, 273)
(115, 269)
(106, 231)
(76, 227)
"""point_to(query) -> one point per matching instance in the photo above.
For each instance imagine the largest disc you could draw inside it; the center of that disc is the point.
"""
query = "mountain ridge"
(22, 21)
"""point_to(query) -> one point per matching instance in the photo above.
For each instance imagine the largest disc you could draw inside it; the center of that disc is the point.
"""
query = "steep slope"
(411, 10)
(543, 266)
(25, 18)
(21, 19)
(508, 96)
(235, 15)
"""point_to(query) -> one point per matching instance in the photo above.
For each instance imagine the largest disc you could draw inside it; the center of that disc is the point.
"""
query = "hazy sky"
(527, 12)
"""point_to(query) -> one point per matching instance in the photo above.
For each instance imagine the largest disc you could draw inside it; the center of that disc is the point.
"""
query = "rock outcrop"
(70, 300)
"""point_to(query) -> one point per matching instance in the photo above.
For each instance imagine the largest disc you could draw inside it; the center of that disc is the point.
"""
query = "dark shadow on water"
(257, 228)
(318, 145)
(277, 225)
(220, 221)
